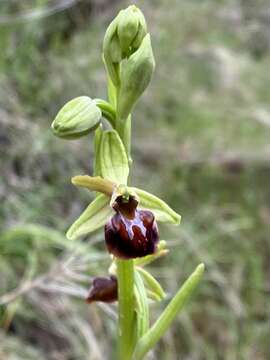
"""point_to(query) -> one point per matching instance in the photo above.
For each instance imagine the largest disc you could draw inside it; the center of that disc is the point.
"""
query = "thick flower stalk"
(128, 215)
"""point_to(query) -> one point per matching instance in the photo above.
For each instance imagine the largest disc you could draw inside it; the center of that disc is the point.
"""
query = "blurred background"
(201, 142)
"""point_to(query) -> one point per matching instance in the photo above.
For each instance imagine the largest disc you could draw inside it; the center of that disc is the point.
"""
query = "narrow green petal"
(93, 217)
(160, 209)
(94, 183)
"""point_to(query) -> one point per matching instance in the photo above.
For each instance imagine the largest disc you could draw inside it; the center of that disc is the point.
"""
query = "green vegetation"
(204, 122)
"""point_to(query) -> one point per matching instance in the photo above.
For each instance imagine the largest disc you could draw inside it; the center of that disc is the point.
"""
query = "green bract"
(77, 118)
(152, 284)
(113, 158)
(135, 74)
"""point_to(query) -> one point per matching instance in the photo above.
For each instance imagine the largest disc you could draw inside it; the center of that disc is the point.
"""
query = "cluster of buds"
(123, 37)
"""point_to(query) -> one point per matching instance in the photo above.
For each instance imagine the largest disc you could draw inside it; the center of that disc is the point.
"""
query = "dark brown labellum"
(103, 289)
(131, 233)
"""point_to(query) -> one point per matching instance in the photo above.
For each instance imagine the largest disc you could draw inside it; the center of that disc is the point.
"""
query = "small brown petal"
(103, 289)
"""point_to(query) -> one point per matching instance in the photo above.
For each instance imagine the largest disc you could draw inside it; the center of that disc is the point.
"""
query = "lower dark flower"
(103, 289)
(131, 233)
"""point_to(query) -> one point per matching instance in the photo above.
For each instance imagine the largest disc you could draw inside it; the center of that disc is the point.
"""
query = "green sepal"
(93, 217)
(152, 284)
(160, 209)
(142, 31)
(77, 118)
(135, 75)
(127, 27)
(113, 158)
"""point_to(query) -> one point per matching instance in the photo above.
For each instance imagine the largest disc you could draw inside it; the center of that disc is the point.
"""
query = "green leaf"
(93, 217)
(77, 118)
(113, 158)
(148, 341)
(160, 209)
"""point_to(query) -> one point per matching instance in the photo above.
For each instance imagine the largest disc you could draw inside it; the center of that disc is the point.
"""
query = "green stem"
(107, 110)
(125, 268)
(126, 309)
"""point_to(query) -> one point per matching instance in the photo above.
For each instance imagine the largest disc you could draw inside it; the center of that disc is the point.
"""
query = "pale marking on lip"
(129, 224)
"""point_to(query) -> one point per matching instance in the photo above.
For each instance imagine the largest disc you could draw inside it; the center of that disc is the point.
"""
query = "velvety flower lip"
(131, 232)
(103, 289)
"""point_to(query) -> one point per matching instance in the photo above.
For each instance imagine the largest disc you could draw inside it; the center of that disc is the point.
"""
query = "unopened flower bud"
(130, 29)
(103, 289)
(77, 118)
(131, 233)
(135, 74)
(123, 36)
